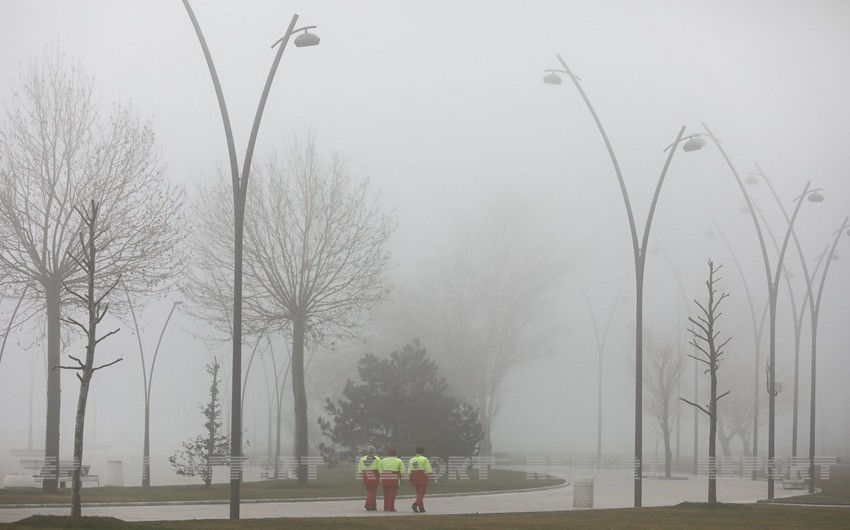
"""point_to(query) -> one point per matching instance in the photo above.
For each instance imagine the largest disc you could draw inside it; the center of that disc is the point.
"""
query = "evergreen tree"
(204, 451)
(400, 402)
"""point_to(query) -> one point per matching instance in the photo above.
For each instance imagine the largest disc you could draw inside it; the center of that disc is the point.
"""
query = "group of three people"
(388, 471)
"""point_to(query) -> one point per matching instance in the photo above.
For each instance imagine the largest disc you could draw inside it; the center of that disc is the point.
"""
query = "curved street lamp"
(639, 248)
(601, 339)
(798, 316)
(148, 382)
(240, 192)
(814, 310)
(772, 278)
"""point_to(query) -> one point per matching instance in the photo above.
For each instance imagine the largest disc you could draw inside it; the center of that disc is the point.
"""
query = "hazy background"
(442, 105)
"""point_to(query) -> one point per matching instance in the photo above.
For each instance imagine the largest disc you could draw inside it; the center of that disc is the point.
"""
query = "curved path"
(610, 491)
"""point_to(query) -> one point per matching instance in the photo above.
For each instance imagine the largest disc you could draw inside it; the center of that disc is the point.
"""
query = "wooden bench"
(66, 473)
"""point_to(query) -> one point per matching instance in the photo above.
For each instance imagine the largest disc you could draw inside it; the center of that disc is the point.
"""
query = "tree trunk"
(712, 436)
(79, 430)
(300, 397)
(725, 439)
(279, 401)
(87, 368)
(599, 406)
(146, 452)
(668, 453)
(745, 441)
(485, 447)
(54, 389)
(208, 468)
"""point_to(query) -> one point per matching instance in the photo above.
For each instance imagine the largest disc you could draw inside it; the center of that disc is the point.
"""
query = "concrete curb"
(267, 501)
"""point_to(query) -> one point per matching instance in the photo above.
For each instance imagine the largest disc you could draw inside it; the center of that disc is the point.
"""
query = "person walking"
(369, 468)
(392, 468)
(419, 468)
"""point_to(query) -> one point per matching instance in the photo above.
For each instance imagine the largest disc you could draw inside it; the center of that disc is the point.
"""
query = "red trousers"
(390, 488)
(419, 480)
(370, 480)
(371, 494)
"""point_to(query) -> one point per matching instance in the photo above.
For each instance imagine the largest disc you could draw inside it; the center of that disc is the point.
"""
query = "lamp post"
(639, 248)
(240, 191)
(753, 179)
(148, 382)
(601, 339)
(772, 278)
(814, 309)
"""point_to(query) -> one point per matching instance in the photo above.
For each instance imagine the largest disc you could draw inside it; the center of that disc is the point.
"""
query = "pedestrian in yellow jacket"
(391, 472)
(420, 472)
(369, 468)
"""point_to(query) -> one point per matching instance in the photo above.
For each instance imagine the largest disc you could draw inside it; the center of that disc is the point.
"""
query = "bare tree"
(94, 240)
(56, 152)
(208, 284)
(735, 417)
(486, 308)
(664, 371)
(706, 340)
(21, 297)
(317, 253)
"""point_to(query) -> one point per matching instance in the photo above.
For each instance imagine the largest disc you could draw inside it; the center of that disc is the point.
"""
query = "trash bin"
(583, 493)
(115, 473)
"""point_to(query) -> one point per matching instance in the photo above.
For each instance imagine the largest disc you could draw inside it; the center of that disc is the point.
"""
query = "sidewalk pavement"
(610, 491)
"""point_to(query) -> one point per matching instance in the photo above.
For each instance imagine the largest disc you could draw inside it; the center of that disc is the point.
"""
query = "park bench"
(794, 483)
(66, 473)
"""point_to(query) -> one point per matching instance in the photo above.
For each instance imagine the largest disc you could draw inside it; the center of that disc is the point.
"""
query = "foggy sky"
(442, 105)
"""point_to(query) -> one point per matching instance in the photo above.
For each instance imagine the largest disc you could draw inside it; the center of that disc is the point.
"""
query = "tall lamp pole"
(601, 339)
(639, 248)
(797, 316)
(148, 381)
(240, 191)
(814, 309)
(772, 278)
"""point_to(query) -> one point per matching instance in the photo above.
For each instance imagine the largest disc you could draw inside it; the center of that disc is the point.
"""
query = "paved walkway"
(610, 491)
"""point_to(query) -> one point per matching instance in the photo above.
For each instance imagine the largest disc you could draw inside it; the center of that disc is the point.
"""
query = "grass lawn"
(684, 516)
(334, 482)
(836, 490)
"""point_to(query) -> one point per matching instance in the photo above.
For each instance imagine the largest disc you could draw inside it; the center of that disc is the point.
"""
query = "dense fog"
(442, 106)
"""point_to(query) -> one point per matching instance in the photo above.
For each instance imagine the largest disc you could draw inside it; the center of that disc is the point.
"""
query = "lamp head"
(552, 78)
(751, 179)
(306, 39)
(815, 196)
(695, 143)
